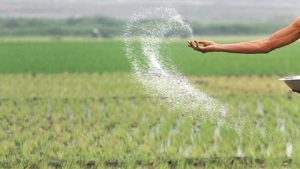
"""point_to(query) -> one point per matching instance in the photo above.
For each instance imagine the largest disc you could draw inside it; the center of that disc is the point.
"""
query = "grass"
(78, 120)
(67, 86)
(72, 104)
(55, 56)
(98, 56)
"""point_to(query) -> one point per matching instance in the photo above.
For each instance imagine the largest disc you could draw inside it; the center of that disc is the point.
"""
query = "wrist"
(216, 48)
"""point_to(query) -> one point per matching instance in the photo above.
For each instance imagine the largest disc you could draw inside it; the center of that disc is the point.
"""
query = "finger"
(204, 43)
(190, 44)
(197, 44)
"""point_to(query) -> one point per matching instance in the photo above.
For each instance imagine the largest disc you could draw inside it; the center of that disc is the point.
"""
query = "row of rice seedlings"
(38, 130)
(68, 86)
(91, 129)
(278, 130)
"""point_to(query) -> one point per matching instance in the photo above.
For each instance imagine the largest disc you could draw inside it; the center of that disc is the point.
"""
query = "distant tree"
(11, 23)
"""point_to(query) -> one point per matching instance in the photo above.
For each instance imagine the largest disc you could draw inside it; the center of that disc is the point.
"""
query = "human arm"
(279, 39)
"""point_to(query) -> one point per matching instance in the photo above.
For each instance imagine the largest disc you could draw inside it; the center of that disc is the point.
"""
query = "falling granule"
(145, 36)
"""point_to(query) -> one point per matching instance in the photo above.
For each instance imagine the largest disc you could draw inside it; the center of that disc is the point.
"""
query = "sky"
(208, 10)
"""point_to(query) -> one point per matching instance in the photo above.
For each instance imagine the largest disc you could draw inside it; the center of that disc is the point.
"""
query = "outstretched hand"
(202, 46)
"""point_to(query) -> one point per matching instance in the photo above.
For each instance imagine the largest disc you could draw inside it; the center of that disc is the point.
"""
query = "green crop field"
(72, 103)
(93, 56)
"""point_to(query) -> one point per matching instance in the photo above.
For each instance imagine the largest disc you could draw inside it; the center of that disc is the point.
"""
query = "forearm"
(279, 39)
(251, 47)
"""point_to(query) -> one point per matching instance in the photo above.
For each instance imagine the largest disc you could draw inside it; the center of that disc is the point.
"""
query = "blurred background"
(67, 95)
(105, 18)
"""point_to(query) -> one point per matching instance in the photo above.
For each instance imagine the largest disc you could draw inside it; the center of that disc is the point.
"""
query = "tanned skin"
(279, 39)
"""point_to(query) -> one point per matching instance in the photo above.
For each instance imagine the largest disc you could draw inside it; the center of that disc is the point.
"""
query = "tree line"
(106, 27)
